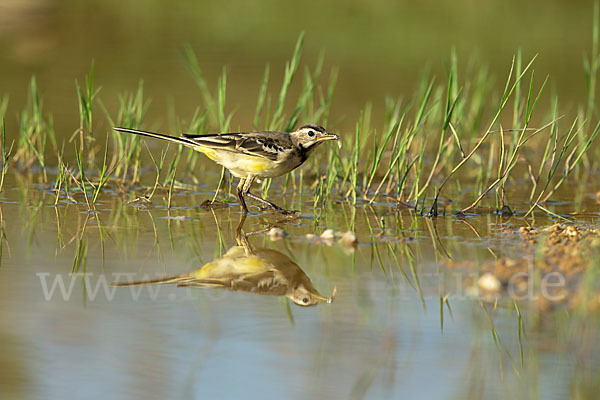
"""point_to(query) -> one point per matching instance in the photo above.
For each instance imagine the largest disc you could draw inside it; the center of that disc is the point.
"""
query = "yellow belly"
(243, 165)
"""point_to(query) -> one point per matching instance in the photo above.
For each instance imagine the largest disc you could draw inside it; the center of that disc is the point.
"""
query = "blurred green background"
(381, 47)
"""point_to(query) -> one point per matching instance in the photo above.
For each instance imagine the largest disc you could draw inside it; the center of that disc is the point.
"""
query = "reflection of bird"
(254, 154)
(260, 271)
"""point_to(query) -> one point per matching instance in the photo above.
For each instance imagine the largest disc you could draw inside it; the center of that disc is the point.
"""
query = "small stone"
(328, 236)
(348, 239)
(571, 231)
(489, 283)
(527, 230)
(276, 234)
(521, 287)
(554, 228)
(312, 237)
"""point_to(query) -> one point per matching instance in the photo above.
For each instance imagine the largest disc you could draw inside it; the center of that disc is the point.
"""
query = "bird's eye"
(311, 134)
(305, 300)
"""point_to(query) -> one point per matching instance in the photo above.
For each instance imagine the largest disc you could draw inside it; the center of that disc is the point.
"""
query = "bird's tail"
(183, 280)
(169, 279)
(178, 140)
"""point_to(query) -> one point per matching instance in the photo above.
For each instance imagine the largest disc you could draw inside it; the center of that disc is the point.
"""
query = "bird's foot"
(267, 204)
(278, 209)
(288, 212)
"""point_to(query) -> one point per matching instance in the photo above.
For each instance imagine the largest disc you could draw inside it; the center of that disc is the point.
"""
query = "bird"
(245, 269)
(252, 155)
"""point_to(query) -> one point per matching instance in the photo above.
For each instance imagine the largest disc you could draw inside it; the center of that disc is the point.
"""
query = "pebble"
(277, 234)
(489, 283)
(328, 234)
(328, 237)
(348, 239)
(312, 237)
(527, 230)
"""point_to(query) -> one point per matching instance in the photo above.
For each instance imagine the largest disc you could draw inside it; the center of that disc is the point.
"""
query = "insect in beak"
(325, 299)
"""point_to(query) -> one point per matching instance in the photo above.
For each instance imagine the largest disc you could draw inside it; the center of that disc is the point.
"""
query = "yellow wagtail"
(251, 155)
(244, 269)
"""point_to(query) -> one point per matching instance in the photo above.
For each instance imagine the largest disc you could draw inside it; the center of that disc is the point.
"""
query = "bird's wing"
(259, 144)
(268, 282)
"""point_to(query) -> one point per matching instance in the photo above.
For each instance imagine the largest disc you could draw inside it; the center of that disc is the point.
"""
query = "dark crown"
(315, 127)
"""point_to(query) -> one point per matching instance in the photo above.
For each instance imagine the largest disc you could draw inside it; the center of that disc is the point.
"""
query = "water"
(383, 336)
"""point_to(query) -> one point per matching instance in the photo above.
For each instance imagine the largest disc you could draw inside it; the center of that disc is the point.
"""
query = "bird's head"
(308, 296)
(310, 136)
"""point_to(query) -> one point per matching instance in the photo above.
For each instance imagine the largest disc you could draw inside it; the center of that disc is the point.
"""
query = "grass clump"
(424, 145)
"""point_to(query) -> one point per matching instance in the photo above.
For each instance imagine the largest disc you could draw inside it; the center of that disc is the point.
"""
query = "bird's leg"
(245, 191)
(240, 194)
(239, 232)
(241, 238)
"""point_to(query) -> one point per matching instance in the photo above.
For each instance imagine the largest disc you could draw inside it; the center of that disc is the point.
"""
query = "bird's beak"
(328, 136)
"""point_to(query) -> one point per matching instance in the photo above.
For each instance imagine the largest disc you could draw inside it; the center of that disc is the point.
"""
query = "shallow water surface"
(407, 319)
